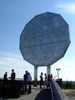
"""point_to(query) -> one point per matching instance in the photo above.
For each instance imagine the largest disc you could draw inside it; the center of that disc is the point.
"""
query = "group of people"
(28, 80)
(46, 80)
(12, 75)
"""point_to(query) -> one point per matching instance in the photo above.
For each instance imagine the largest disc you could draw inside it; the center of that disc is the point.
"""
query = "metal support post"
(35, 72)
(48, 69)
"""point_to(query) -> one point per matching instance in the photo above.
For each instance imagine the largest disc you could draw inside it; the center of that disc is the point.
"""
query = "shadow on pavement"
(44, 94)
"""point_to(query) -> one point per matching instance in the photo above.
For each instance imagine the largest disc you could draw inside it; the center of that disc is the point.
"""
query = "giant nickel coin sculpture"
(44, 39)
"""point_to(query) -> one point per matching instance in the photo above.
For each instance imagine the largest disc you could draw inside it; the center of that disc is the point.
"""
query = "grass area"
(68, 85)
(69, 91)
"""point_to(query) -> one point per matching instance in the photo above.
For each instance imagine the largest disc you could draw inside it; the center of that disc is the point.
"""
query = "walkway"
(37, 94)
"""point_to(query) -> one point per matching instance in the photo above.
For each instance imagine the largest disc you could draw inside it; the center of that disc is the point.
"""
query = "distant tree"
(68, 85)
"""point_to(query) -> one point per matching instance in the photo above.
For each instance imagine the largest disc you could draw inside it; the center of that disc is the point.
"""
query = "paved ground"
(43, 95)
(37, 94)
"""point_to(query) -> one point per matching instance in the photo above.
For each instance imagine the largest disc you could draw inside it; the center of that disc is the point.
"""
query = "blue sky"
(14, 14)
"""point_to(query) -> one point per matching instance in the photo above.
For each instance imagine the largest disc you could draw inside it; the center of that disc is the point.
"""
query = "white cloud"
(67, 7)
(67, 69)
(9, 61)
(12, 59)
(6, 54)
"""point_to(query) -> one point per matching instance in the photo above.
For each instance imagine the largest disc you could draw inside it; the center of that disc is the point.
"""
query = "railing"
(51, 91)
(11, 88)
(58, 94)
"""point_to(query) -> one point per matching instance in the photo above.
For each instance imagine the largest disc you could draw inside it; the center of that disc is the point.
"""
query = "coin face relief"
(44, 39)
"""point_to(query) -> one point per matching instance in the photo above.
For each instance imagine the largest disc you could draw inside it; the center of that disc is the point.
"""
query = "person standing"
(49, 79)
(13, 75)
(25, 80)
(5, 76)
(13, 85)
(41, 80)
(29, 80)
(5, 84)
(45, 81)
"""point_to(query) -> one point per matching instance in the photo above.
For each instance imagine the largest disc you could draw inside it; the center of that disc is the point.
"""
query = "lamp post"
(58, 69)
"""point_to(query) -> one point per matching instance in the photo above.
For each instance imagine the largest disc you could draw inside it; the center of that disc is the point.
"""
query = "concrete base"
(48, 70)
(35, 73)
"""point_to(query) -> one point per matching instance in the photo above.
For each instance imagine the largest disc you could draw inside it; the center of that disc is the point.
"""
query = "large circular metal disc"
(44, 39)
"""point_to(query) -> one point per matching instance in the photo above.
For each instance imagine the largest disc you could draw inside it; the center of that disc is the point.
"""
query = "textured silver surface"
(45, 39)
